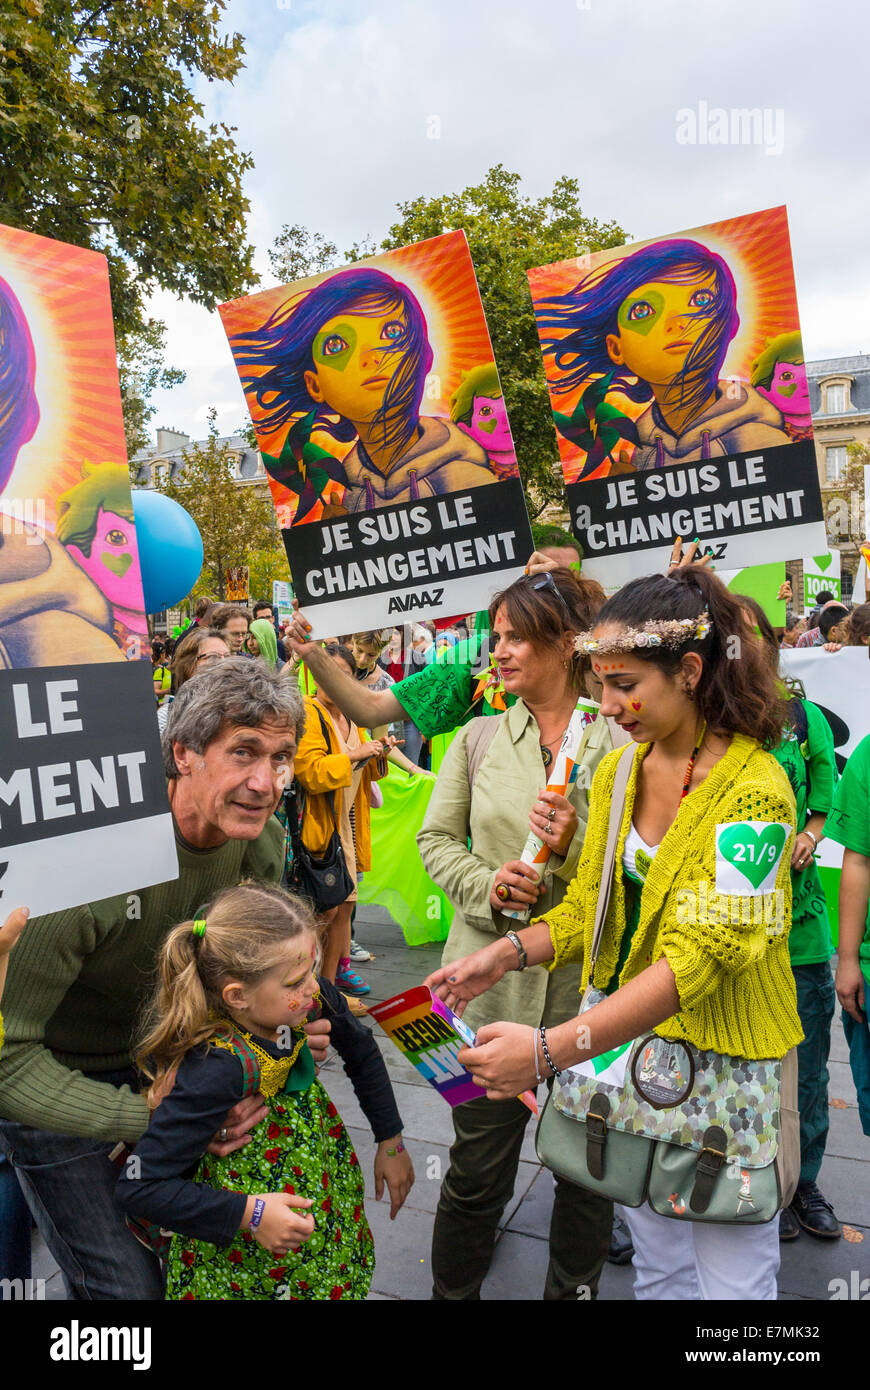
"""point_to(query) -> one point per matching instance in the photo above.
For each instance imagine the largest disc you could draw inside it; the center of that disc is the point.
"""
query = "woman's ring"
(223, 1135)
(551, 814)
(502, 892)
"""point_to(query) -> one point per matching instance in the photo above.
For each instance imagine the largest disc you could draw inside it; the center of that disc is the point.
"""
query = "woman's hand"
(463, 980)
(374, 749)
(396, 1170)
(503, 1060)
(802, 854)
(680, 561)
(784, 594)
(554, 821)
(849, 985)
(522, 882)
(284, 1224)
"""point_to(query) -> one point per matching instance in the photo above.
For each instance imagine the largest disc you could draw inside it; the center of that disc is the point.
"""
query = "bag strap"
(325, 733)
(480, 736)
(617, 806)
(248, 1058)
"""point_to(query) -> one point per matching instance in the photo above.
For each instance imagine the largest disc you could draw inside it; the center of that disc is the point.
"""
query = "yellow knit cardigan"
(732, 971)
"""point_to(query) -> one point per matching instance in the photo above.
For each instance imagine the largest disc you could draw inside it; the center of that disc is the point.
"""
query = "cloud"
(348, 110)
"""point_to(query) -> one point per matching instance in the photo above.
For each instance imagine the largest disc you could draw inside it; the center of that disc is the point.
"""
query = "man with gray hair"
(69, 1095)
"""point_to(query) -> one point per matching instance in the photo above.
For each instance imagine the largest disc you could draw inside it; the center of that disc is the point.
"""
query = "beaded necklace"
(691, 763)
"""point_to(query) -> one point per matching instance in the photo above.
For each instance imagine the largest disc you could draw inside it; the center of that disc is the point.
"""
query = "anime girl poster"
(81, 776)
(380, 419)
(678, 388)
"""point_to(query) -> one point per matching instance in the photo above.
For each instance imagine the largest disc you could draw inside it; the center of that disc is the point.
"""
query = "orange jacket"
(322, 768)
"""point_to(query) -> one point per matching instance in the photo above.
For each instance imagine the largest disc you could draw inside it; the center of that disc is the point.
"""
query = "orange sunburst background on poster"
(757, 250)
(64, 293)
(439, 272)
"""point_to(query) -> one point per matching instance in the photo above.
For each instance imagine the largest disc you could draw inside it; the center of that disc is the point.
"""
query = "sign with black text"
(83, 806)
(381, 423)
(679, 394)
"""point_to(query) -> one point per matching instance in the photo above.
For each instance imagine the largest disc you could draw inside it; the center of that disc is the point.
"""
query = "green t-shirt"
(849, 822)
(440, 698)
(811, 768)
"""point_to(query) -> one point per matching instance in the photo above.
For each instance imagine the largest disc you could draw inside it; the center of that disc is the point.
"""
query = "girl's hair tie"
(198, 928)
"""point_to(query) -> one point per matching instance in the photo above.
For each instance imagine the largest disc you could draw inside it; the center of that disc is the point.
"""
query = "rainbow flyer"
(430, 1035)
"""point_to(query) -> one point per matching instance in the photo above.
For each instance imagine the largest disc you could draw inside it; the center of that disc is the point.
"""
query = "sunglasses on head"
(546, 581)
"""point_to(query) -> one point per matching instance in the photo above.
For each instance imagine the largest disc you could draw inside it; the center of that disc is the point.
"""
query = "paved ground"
(403, 1272)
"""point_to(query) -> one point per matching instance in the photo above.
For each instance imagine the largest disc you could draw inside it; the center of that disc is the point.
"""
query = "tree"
(235, 523)
(508, 234)
(104, 146)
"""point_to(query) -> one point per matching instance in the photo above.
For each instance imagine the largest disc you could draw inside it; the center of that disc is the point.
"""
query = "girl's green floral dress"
(303, 1147)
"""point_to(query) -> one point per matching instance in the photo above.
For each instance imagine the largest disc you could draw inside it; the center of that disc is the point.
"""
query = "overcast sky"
(336, 99)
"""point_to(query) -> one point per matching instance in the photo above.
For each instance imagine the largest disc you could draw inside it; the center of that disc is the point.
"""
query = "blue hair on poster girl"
(19, 411)
(283, 346)
(584, 317)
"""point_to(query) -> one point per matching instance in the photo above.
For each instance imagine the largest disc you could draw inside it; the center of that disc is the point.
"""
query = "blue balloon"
(170, 549)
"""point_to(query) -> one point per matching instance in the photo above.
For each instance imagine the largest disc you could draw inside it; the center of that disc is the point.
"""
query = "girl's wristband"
(259, 1208)
(398, 1148)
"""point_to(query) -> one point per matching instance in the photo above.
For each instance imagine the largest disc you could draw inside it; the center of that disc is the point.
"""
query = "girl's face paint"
(659, 324)
(355, 358)
(637, 694)
(287, 993)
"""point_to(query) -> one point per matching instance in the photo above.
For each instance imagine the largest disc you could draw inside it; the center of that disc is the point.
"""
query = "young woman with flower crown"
(282, 1218)
(683, 676)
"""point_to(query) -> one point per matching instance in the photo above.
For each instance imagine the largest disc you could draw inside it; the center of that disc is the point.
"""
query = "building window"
(835, 399)
(160, 474)
(835, 462)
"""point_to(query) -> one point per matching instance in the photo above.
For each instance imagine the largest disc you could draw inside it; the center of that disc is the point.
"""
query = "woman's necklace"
(546, 753)
(691, 763)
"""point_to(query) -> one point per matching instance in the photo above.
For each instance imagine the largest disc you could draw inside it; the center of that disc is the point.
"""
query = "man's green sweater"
(77, 982)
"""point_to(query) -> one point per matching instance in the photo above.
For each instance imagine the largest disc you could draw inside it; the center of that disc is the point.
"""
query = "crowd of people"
(159, 1070)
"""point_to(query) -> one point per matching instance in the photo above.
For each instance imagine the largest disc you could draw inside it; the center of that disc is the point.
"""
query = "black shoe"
(788, 1226)
(814, 1213)
(621, 1248)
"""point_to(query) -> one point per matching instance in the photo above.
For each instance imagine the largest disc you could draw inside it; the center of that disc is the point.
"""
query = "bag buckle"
(596, 1134)
(710, 1162)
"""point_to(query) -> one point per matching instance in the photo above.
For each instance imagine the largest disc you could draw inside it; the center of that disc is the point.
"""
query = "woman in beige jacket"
(488, 794)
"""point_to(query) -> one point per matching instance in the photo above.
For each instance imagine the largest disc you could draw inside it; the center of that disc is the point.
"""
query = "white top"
(637, 869)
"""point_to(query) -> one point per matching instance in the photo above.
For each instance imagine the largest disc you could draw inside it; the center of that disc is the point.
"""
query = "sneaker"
(814, 1213)
(621, 1247)
(359, 953)
(788, 1226)
(350, 983)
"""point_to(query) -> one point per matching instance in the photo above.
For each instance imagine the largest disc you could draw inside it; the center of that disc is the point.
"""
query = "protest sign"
(839, 683)
(430, 1035)
(282, 600)
(379, 415)
(678, 388)
(83, 809)
(236, 580)
(821, 572)
(761, 582)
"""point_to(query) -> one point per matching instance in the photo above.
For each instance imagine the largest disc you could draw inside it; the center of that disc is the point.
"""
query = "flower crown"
(671, 632)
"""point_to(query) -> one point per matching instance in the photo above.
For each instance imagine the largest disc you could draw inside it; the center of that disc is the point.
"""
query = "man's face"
(235, 631)
(233, 787)
(265, 614)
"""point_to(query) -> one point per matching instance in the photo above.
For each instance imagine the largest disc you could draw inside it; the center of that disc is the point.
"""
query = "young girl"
(356, 347)
(707, 969)
(657, 326)
(282, 1217)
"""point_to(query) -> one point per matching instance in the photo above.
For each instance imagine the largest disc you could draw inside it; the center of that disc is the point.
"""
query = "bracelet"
(399, 1149)
(812, 837)
(259, 1208)
(512, 937)
(546, 1051)
(535, 1055)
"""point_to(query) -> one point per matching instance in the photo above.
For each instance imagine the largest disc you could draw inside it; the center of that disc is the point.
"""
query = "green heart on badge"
(118, 564)
(752, 853)
(822, 562)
